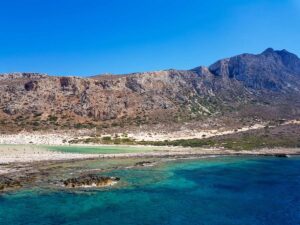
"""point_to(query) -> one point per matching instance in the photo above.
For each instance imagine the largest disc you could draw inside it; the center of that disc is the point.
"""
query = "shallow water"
(101, 149)
(227, 190)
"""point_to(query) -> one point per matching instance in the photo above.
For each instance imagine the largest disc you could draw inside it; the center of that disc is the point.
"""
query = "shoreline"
(14, 156)
(32, 153)
(32, 167)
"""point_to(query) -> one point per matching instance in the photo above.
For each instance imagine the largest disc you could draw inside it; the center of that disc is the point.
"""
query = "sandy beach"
(17, 154)
(63, 138)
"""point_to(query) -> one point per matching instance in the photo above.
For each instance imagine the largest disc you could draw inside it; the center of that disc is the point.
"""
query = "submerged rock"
(90, 180)
(281, 155)
(144, 163)
(8, 183)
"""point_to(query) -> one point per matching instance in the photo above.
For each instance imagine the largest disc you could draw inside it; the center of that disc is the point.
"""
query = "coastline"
(33, 166)
(13, 156)
(32, 153)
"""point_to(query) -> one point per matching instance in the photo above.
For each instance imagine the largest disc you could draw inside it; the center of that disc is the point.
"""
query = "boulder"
(90, 180)
(281, 155)
(143, 163)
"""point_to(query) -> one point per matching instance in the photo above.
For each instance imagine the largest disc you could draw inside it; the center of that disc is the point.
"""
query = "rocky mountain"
(265, 85)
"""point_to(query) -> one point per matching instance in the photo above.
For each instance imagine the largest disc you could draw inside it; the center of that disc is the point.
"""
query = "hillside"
(242, 88)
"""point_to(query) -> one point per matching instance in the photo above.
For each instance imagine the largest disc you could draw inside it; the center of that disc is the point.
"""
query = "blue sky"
(87, 37)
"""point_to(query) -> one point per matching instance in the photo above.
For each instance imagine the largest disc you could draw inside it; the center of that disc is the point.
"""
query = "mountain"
(264, 86)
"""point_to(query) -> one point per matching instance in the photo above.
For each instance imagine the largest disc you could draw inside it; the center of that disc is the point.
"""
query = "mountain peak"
(282, 52)
(268, 50)
(33, 100)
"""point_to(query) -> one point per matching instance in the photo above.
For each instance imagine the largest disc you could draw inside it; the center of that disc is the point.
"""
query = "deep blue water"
(212, 191)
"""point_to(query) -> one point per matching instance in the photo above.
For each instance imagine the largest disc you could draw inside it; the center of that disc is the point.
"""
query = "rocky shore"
(7, 183)
(28, 153)
(90, 180)
(30, 166)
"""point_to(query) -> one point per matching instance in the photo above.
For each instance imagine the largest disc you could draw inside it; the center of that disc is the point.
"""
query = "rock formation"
(90, 180)
(8, 183)
(243, 83)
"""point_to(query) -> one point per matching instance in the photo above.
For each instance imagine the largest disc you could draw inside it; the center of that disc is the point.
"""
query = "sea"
(210, 191)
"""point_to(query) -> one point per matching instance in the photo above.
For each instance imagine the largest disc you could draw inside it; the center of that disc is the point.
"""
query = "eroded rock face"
(270, 70)
(272, 77)
(90, 180)
(31, 86)
(8, 183)
(64, 82)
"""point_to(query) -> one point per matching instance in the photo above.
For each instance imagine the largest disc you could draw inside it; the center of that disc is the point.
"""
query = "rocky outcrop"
(9, 184)
(144, 163)
(90, 180)
(31, 85)
(271, 78)
(270, 70)
(281, 155)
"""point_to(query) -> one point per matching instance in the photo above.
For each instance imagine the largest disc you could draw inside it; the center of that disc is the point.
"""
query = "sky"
(90, 37)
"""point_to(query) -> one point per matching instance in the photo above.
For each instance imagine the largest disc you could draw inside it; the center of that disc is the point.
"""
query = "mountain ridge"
(268, 50)
(235, 85)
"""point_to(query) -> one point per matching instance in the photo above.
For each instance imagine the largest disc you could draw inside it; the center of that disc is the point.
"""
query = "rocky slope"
(264, 85)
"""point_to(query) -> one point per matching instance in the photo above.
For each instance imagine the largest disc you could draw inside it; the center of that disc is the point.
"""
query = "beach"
(150, 175)
(63, 137)
(31, 153)
(18, 154)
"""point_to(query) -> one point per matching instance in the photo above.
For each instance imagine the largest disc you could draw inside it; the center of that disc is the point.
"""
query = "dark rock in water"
(90, 180)
(143, 163)
(8, 183)
(281, 155)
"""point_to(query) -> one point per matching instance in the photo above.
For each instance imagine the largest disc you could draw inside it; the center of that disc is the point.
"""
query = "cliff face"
(269, 78)
(271, 70)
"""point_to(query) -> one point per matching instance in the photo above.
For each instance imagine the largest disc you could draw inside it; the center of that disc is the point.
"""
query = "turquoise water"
(212, 191)
(101, 149)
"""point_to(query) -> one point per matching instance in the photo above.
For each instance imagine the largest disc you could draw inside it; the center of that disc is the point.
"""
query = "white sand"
(62, 138)
(12, 158)
(19, 148)
(28, 153)
(36, 138)
(12, 154)
(199, 134)
(189, 134)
